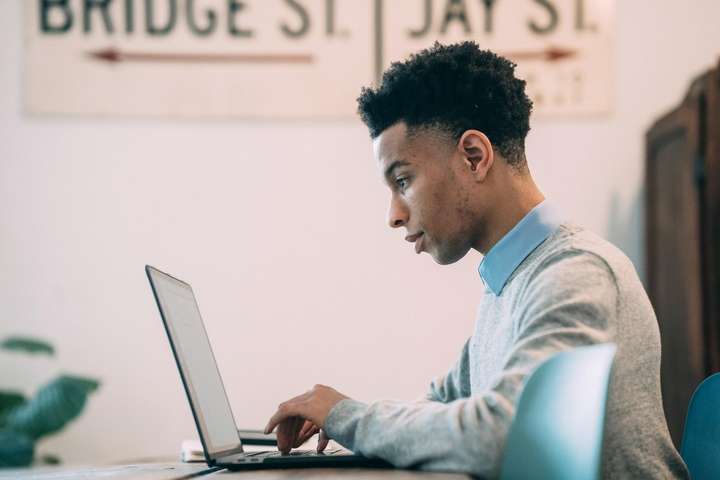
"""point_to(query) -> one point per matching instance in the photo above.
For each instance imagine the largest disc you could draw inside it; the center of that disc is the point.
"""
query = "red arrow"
(113, 55)
(550, 54)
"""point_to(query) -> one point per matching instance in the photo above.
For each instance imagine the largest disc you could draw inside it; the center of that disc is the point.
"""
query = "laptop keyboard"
(277, 453)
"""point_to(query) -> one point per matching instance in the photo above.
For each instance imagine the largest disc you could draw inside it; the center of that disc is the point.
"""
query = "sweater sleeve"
(455, 384)
(571, 302)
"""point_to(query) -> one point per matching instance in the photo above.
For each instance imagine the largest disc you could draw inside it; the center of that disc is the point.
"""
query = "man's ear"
(477, 152)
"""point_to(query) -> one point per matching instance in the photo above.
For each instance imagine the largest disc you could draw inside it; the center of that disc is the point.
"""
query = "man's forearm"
(464, 435)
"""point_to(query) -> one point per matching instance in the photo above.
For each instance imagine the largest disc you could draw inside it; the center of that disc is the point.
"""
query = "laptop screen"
(196, 362)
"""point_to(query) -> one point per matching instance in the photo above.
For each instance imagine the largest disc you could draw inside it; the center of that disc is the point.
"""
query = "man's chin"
(446, 258)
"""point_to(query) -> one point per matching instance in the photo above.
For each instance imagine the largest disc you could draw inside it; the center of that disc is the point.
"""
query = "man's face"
(431, 192)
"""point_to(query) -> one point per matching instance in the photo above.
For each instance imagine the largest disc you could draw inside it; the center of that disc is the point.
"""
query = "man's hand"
(301, 417)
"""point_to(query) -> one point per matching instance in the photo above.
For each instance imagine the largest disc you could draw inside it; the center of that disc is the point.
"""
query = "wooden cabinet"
(683, 242)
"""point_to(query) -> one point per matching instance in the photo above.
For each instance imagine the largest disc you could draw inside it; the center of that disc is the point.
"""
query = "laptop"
(221, 442)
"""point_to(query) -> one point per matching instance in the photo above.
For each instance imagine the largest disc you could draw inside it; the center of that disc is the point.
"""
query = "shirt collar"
(507, 254)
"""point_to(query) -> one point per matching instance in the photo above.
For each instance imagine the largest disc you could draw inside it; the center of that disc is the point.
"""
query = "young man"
(448, 128)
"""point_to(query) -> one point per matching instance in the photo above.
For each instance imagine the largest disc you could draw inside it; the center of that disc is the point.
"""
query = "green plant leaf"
(8, 401)
(52, 407)
(16, 449)
(27, 345)
(50, 459)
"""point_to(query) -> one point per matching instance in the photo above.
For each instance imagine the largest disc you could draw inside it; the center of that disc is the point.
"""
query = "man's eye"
(402, 182)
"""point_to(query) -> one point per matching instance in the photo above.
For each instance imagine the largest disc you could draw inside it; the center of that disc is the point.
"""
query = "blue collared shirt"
(507, 254)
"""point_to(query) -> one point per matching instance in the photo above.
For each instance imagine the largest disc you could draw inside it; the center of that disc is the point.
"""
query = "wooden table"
(331, 473)
(182, 471)
(141, 471)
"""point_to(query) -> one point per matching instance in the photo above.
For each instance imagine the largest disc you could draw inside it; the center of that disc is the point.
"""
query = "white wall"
(280, 228)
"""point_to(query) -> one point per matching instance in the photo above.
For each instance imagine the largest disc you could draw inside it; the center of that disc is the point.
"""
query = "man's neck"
(522, 197)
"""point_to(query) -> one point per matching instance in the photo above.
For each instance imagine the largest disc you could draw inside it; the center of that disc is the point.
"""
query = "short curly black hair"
(453, 88)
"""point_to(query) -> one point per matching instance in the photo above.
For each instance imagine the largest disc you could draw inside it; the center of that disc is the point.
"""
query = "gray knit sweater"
(574, 289)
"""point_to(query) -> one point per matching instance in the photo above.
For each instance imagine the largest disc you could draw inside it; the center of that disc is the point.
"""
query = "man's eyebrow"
(394, 165)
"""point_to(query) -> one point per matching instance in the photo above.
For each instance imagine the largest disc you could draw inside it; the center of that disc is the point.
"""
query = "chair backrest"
(700, 446)
(557, 432)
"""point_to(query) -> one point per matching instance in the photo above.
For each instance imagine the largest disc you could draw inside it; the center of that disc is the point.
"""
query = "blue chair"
(700, 447)
(557, 432)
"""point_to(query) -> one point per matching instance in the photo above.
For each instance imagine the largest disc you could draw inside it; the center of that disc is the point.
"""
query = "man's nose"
(398, 214)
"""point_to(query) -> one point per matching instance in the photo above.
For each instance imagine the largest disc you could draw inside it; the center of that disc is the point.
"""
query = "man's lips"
(413, 237)
(417, 238)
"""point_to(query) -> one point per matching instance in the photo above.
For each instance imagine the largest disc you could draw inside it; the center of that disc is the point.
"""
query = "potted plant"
(23, 420)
